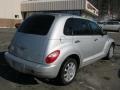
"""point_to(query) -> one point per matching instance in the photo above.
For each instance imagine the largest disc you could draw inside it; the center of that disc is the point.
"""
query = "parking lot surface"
(102, 75)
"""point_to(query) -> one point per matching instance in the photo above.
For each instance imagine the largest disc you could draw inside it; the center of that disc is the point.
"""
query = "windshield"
(37, 24)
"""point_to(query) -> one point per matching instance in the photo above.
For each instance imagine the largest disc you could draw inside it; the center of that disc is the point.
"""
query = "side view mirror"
(104, 32)
(17, 25)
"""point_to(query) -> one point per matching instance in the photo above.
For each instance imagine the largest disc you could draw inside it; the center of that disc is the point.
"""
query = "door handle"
(95, 39)
(77, 41)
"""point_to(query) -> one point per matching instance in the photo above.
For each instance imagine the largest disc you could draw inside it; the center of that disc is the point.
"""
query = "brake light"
(52, 56)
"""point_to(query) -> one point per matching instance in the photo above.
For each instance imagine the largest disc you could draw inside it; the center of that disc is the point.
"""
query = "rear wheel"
(68, 71)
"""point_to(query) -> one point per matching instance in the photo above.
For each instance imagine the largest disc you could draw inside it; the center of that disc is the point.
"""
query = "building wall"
(8, 23)
(10, 12)
(75, 7)
(50, 5)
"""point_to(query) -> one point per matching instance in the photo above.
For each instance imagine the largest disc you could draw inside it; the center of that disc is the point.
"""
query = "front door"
(98, 38)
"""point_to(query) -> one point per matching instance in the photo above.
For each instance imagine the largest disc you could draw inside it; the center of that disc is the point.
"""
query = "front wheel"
(110, 52)
(119, 30)
(68, 71)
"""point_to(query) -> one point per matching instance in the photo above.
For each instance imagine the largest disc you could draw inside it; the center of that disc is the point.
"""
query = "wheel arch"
(77, 59)
(74, 56)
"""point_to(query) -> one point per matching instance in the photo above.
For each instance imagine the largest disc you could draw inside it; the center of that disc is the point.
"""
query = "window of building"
(16, 16)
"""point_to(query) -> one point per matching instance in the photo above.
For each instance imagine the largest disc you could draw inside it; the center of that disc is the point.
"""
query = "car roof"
(60, 15)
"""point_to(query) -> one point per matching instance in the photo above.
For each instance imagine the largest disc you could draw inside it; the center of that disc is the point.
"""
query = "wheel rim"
(111, 52)
(69, 71)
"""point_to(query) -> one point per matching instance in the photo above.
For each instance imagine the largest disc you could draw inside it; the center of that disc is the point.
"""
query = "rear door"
(82, 40)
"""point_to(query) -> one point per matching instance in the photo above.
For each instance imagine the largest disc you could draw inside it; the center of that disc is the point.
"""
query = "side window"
(76, 26)
(68, 27)
(96, 30)
(110, 23)
(81, 27)
(115, 23)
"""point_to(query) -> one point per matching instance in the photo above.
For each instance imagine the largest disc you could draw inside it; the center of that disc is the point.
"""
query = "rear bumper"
(42, 71)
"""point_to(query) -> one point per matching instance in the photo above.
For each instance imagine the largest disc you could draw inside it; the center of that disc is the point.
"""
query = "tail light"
(52, 56)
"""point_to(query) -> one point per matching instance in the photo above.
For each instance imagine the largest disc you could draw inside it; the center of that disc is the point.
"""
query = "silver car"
(110, 26)
(57, 45)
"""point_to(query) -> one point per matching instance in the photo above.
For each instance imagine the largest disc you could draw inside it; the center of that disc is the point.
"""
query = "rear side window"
(37, 24)
(76, 26)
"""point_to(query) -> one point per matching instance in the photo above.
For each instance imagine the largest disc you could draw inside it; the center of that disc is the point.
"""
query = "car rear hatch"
(29, 41)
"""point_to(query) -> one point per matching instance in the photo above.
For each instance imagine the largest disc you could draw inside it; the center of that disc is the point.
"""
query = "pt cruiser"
(57, 45)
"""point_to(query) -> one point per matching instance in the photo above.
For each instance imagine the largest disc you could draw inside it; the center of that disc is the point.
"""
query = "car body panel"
(26, 46)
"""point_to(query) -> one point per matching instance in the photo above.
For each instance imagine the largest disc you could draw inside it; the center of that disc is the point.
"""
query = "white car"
(110, 26)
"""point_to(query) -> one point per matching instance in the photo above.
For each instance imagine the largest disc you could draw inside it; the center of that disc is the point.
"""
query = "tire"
(119, 73)
(68, 71)
(110, 53)
(118, 30)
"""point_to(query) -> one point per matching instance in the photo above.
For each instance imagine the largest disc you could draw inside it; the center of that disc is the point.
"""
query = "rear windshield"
(37, 24)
